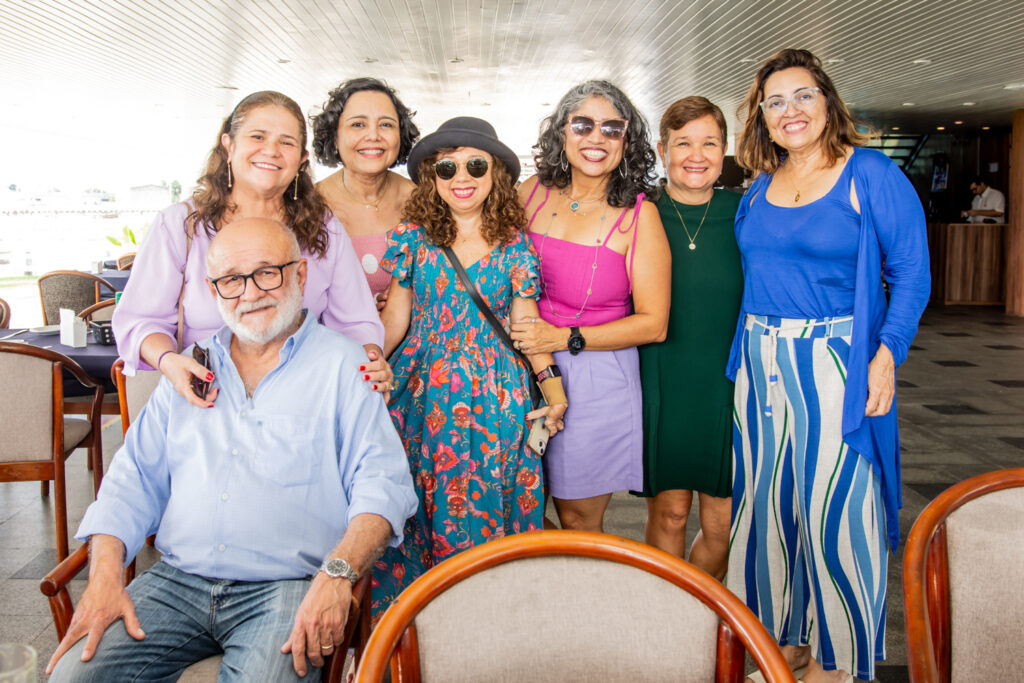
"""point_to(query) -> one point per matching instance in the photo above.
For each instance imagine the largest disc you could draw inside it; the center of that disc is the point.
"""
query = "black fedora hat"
(462, 131)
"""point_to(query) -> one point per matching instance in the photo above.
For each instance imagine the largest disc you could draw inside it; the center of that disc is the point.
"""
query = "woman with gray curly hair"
(605, 274)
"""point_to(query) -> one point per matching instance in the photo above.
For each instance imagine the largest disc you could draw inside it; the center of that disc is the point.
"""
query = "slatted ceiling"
(117, 62)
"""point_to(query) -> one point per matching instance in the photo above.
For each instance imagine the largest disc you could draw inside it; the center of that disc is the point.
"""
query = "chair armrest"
(355, 635)
(55, 586)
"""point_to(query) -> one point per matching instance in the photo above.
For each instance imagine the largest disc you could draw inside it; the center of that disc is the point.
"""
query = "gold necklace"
(706, 208)
(380, 195)
(574, 204)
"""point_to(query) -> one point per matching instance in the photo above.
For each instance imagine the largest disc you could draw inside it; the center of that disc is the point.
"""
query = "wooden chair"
(132, 392)
(100, 311)
(5, 314)
(35, 436)
(125, 261)
(68, 289)
(55, 587)
(963, 572)
(567, 606)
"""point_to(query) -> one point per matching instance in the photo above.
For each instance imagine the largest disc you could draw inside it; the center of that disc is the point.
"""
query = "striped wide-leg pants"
(808, 549)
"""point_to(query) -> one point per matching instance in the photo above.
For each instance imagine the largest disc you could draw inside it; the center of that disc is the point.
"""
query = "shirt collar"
(221, 339)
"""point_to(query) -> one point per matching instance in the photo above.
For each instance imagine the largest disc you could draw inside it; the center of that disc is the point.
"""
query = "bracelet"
(161, 357)
(553, 391)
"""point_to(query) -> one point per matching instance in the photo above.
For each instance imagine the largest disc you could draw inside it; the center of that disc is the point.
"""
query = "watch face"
(337, 567)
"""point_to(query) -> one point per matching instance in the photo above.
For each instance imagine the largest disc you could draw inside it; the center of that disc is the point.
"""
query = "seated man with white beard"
(267, 505)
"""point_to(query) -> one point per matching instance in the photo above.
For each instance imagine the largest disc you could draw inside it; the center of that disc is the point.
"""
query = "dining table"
(117, 278)
(96, 359)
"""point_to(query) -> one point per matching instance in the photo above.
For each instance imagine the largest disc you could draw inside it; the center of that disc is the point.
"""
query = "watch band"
(549, 372)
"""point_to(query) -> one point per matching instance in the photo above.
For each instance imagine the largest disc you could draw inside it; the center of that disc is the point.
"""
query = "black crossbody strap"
(499, 329)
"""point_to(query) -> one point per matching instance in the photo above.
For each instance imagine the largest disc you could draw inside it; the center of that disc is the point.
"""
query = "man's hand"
(103, 602)
(320, 621)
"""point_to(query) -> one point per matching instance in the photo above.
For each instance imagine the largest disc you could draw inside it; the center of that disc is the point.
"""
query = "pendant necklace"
(366, 205)
(574, 204)
(685, 229)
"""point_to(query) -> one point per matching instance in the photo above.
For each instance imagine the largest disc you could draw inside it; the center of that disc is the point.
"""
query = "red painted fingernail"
(209, 377)
(366, 377)
(375, 387)
(362, 368)
(210, 406)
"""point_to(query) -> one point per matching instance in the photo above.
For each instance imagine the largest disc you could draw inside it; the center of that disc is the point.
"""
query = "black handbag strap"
(499, 329)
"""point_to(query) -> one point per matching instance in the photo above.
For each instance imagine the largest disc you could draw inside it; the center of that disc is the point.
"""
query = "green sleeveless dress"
(687, 400)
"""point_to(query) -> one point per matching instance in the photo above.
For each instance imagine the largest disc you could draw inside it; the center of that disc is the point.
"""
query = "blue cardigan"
(892, 231)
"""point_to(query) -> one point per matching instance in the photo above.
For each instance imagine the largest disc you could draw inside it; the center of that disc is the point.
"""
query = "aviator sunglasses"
(613, 129)
(445, 169)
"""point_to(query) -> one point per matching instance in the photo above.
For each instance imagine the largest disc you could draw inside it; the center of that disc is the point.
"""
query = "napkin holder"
(73, 331)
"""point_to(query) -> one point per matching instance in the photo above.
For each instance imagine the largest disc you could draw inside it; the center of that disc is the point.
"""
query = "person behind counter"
(988, 205)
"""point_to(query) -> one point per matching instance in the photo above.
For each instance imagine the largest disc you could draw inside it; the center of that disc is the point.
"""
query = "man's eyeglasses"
(445, 169)
(803, 99)
(266, 278)
(613, 129)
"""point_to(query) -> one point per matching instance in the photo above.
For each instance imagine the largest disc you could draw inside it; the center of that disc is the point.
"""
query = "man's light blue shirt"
(260, 488)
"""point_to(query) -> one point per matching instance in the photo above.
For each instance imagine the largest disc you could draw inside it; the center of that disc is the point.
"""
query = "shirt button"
(222, 547)
(243, 413)
(234, 451)
(223, 496)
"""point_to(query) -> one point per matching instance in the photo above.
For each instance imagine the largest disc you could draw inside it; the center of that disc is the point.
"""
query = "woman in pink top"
(257, 169)
(605, 281)
(367, 129)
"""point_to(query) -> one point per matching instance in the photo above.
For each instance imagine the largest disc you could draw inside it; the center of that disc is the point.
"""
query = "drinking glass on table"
(17, 663)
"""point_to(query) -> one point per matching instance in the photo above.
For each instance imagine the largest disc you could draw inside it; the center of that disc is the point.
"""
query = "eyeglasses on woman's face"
(613, 129)
(445, 169)
(803, 99)
(266, 278)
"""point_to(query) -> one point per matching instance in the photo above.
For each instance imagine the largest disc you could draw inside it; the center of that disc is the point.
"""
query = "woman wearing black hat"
(461, 401)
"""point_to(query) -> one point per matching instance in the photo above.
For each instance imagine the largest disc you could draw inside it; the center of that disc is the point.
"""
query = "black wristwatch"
(576, 341)
(548, 372)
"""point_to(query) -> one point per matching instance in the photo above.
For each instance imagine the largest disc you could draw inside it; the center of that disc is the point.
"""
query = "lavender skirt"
(601, 448)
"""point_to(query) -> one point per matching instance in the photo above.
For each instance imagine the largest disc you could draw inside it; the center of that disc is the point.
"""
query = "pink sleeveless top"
(584, 285)
(370, 250)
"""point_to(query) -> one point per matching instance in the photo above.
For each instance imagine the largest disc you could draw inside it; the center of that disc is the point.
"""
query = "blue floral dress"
(460, 407)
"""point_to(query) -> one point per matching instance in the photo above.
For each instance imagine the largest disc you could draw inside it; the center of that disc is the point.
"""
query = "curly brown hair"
(757, 152)
(503, 216)
(212, 197)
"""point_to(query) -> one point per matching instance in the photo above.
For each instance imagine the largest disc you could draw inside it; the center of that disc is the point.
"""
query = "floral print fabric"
(459, 405)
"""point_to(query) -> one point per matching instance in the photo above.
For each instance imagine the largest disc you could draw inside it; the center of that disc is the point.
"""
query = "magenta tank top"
(583, 285)
(370, 250)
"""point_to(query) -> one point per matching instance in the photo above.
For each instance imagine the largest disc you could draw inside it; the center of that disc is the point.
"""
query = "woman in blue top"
(816, 485)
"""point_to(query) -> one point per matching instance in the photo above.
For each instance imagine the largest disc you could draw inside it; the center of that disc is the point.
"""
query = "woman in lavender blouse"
(257, 169)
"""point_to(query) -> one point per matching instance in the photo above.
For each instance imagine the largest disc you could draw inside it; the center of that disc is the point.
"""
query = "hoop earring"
(229, 175)
(623, 168)
(563, 160)
(295, 193)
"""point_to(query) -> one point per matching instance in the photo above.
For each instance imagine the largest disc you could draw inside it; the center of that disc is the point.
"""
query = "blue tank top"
(801, 261)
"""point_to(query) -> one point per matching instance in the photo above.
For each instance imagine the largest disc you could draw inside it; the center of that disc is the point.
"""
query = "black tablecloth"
(118, 278)
(95, 359)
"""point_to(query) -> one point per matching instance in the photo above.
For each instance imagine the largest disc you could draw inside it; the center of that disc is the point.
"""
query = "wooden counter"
(968, 263)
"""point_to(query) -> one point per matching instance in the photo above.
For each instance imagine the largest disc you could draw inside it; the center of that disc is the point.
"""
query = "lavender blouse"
(336, 292)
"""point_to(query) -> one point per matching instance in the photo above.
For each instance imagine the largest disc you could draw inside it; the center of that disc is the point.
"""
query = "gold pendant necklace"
(680, 216)
(371, 205)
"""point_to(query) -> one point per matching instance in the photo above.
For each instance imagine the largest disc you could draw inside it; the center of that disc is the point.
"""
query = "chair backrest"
(562, 606)
(68, 289)
(30, 387)
(5, 313)
(125, 262)
(103, 310)
(133, 391)
(962, 575)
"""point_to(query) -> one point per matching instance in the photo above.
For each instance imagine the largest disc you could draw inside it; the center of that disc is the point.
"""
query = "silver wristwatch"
(337, 568)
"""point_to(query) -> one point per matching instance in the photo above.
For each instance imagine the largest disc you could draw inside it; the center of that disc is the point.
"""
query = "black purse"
(537, 439)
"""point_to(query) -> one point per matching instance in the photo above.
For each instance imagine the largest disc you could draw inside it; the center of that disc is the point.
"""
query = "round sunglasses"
(445, 169)
(613, 129)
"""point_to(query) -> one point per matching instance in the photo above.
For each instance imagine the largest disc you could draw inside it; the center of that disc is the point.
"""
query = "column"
(1015, 229)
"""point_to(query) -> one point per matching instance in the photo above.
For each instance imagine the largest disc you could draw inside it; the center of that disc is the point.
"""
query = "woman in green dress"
(687, 400)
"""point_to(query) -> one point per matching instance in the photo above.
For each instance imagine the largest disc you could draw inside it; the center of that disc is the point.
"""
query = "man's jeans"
(187, 618)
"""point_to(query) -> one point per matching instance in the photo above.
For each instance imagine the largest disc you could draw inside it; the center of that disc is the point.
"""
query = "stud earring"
(229, 175)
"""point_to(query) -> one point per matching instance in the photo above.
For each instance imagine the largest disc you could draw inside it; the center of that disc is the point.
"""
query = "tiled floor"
(961, 403)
